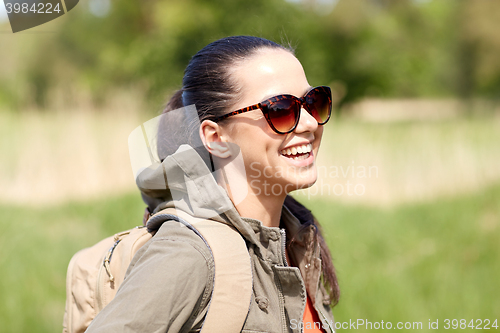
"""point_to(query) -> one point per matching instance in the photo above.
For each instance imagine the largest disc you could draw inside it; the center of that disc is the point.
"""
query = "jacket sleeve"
(167, 287)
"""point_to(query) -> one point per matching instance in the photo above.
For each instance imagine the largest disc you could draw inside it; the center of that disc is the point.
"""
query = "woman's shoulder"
(175, 240)
(172, 273)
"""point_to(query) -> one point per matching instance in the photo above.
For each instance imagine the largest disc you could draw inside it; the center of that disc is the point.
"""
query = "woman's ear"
(211, 136)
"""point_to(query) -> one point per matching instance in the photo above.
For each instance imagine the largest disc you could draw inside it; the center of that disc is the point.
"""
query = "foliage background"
(381, 48)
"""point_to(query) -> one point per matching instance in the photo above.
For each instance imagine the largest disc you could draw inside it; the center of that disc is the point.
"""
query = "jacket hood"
(183, 181)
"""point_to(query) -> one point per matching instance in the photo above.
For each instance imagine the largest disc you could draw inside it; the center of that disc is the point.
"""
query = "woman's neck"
(266, 209)
(257, 204)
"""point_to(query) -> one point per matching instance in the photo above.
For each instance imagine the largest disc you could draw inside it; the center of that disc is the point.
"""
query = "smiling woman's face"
(272, 159)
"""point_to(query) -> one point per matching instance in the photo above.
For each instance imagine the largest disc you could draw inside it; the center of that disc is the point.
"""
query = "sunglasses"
(282, 112)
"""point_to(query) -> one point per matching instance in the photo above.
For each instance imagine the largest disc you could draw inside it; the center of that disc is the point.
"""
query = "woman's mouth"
(297, 153)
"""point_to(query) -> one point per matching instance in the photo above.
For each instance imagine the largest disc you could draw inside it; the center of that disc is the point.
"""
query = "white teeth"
(301, 157)
(303, 149)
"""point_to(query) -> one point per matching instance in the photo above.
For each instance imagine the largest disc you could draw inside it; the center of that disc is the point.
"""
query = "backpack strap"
(232, 291)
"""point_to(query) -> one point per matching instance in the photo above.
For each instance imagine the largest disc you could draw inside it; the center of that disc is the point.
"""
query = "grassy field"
(411, 160)
(36, 245)
(417, 262)
(411, 263)
(42, 152)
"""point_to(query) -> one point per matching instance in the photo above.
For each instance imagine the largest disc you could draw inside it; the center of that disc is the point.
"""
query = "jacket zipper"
(283, 245)
(285, 262)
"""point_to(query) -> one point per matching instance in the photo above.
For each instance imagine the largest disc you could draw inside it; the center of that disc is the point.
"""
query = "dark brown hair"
(208, 85)
(307, 219)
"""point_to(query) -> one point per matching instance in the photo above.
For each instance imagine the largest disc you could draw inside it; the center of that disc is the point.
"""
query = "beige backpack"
(95, 274)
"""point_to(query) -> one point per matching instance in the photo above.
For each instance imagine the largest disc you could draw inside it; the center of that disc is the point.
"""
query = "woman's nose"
(307, 123)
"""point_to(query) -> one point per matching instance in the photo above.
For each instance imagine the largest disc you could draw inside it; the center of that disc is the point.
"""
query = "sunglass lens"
(319, 104)
(284, 114)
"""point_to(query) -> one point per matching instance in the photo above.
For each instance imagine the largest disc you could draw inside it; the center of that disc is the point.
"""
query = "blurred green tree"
(381, 48)
(479, 48)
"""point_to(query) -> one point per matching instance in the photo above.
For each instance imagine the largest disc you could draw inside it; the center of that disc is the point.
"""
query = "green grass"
(36, 246)
(417, 262)
(410, 263)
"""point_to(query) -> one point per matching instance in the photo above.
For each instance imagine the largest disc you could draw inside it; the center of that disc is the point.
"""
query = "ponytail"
(175, 101)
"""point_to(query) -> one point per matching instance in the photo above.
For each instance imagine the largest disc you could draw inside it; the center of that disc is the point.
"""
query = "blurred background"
(409, 187)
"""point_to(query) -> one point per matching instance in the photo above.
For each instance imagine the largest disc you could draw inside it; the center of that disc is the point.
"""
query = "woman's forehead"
(267, 73)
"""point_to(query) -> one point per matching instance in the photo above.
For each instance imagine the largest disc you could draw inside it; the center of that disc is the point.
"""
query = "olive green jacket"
(169, 282)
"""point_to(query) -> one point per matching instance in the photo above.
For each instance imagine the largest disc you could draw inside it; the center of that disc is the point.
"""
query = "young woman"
(253, 100)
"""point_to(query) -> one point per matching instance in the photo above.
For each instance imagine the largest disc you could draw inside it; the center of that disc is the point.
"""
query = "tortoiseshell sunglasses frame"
(263, 106)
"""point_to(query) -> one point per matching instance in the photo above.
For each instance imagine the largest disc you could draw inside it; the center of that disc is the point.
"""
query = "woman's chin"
(301, 184)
